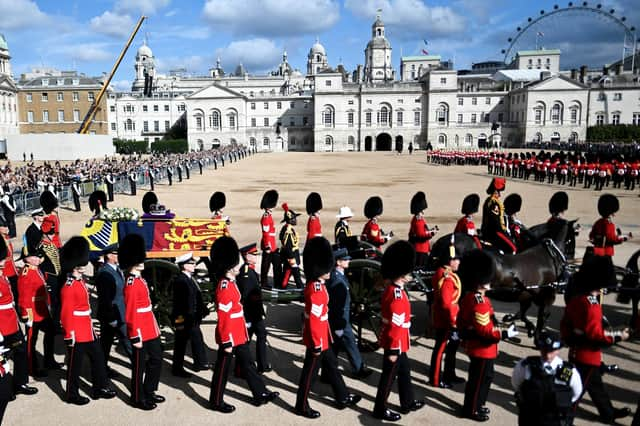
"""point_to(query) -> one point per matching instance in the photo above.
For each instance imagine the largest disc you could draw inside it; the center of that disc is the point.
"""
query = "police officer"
(494, 228)
(270, 254)
(187, 313)
(398, 262)
(231, 330)
(371, 232)
(546, 386)
(290, 248)
(419, 232)
(342, 231)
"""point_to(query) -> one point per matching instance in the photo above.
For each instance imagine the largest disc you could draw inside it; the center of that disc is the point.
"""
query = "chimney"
(574, 74)
(583, 74)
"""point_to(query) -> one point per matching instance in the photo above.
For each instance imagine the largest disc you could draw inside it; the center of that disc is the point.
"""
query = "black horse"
(630, 290)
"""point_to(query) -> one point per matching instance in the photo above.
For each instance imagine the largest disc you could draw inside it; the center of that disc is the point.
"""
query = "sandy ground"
(341, 179)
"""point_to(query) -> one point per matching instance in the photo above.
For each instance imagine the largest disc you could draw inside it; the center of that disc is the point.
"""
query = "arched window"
(214, 120)
(457, 140)
(265, 142)
(573, 138)
(538, 137)
(328, 140)
(252, 141)
(233, 120)
(317, 58)
(383, 116)
(442, 114)
(200, 145)
(539, 113)
(215, 144)
(468, 139)
(442, 139)
(327, 116)
(351, 140)
(556, 113)
(128, 125)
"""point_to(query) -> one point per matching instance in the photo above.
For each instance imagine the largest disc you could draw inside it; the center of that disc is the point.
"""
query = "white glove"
(339, 333)
(510, 332)
(6, 367)
(113, 324)
(248, 325)
(29, 324)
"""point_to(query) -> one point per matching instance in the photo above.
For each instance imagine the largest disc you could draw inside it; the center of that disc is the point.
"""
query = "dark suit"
(249, 286)
(110, 285)
(186, 316)
(33, 236)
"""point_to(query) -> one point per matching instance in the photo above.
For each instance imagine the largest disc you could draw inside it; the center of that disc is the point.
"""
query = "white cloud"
(171, 13)
(141, 6)
(257, 55)
(112, 24)
(411, 18)
(121, 85)
(20, 14)
(193, 63)
(272, 17)
(86, 52)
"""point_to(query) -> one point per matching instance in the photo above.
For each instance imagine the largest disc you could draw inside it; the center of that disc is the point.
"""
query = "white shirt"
(522, 373)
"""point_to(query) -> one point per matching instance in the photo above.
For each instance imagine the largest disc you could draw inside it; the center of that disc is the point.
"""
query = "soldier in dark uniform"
(170, 174)
(342, 230)
(179, 168)
(186, 315)
(494, 228)
(254, 314)
(8, 207)
(290, 248)
(110, 181)
(398, 262)
(152, 176)
(75, 192)
(512, 206)
(187, 169)
(133, 179)
(200, 165)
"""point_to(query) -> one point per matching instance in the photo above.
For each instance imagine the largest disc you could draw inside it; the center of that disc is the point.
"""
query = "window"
(30, 116)
(416, 118)
(574, 115)
(29, 97)
(600, 120)
(112, 108)
(351, 140)
(468, 139)
(383, 116)
(441, 114)
(145, 108)
(399, 116)
(556, 114)
(473, 118)
(166, 125)
(182, 107)
(292, 104)
(369, 101)
(617, 96)
(486, 117)
(636, 119)
(253, 105)
(45, 81)
(199, 123)
(166, 107)
(91, 97)
(615, 118)
(602, 97)
(113, 127)
(538, 115)
(214, 120)
(367, 118)
(266, 105)
(292, 122)
(279, 105)
(59, 97)
(328, 140)
(252, 141)
(266, 122)
(500, 117)
(474, 101)
(350, 102)
(156, 126)
(232, 121)
(487, 101)
(350, 119)
(442, 139)
(155, 108)
(145, 126)
(460, 101)
(253, 122)
(459, 118)
(443, 80)
(60, 116)
(327, 117)
(400, 101)
(305, 121)
(265, 142)
(327, 83)
(45, 97)
(76, 115)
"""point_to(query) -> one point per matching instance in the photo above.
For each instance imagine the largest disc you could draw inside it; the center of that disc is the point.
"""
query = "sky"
(88, 36)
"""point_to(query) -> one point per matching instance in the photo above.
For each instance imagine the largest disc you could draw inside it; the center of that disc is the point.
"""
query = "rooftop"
(538, 52)
(518, 75)
(421, 58)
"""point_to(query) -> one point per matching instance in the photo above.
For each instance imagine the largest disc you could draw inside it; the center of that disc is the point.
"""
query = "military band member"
(398, 262)
(79, 335)
(270, 254)
(217, 203)
(582, 329)
(133, 180)
(49, 203)
(342, 231)
(371, 232)
(97, 202)
(314, 205)
(480, 334)
(75, 192)
(465, 224)
(187, 314)
(110, 286)
(447, 291)
(494, 228)
(231, 330)
(254, 313)
(316, 334)
(142, 326)
(603, 234)
(419, 232)
(290, 248)
(110, 181)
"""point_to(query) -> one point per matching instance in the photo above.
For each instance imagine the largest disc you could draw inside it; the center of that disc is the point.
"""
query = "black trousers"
(221, 373)
(109, 191)
(390, 370)
(49, 330)
(108, 334)
(170, 177)
(76, 202)
(75, 358)
(592, 383)
(151, 183)
(133, 187)
(477, 389)
(5, 394)
(200, 166)
(421, 259)
(193, 334)
(18, 347)
(327, 359)
(146, 364)
(268, 260)
(260, 330)
(447, 348)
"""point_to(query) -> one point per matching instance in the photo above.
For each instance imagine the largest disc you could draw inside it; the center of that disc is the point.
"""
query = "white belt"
(237, 314)
(82, 313)
(146, 309)
(322, 318)
(404, 325)
(7, 306)
(272, 235)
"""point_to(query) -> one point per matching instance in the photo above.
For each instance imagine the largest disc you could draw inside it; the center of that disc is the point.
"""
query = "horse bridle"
(558, 258)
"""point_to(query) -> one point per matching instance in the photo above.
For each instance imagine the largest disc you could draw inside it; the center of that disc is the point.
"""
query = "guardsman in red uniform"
(603, 234)
(494, 228)
(314, 205)
(558, 205)
(398, 262)
(512, 205)
(290, 248)
(270, 254)
(371, 232)
(419, 232)
(217, 203)
(316, 333)
(480, 334)
(342, 231)
(465, 224)
(9, 270)
(581, 328)
(11, 337)
(447, 290)
(231, 331)
(142, 326)
(49, 203)
(632, 175)
(34, 310)
(79, 335)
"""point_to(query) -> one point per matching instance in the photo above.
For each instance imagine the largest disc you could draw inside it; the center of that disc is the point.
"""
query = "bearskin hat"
(558, 202)
(3, 249)
(224, 255)
(132, 251)
(595, 273)
(314, 203)
(497, 184)
(149, 199)
(373, 207)
(608, 204)
(97, 201)
(48, 201)
(477, 268)
(418, 202)
(289, 214)
(470, 204)
(398, 260)
(512, 204)
(317, 258)
(74, 253)
(217, 201)
(269, 199)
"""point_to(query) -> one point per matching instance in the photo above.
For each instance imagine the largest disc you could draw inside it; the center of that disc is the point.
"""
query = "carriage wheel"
(366, 285)
(158, 273)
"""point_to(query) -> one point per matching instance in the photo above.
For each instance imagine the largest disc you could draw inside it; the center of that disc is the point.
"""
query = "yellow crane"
(88, 119)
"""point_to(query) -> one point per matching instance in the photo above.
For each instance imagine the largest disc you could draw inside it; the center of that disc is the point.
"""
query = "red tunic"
(447, 288)
(372, 234)
(316, 334)
(268, 240)
(32, 294)
(419, 235)
(225, 232)
(75, 311)
(581, 327)
(475, 321)
(9, 269)
(141, 323)
(314, 227)
(604, 236)
(396, 319)
(232, 329)
(53, 217)
(8, 316)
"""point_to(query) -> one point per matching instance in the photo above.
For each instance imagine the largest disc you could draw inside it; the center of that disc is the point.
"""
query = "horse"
(630, 291)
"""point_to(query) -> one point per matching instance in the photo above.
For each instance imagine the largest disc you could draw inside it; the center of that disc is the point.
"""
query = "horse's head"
(563, 234)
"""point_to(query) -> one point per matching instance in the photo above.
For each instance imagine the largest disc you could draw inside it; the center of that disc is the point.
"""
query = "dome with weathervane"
(144, 50)
(317, 49)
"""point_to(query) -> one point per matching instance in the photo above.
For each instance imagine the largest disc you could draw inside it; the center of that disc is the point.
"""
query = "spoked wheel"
(159, 273)
(366, 285)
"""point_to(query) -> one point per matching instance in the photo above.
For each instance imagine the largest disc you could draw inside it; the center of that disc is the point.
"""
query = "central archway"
(399, 143)
(383, 142)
